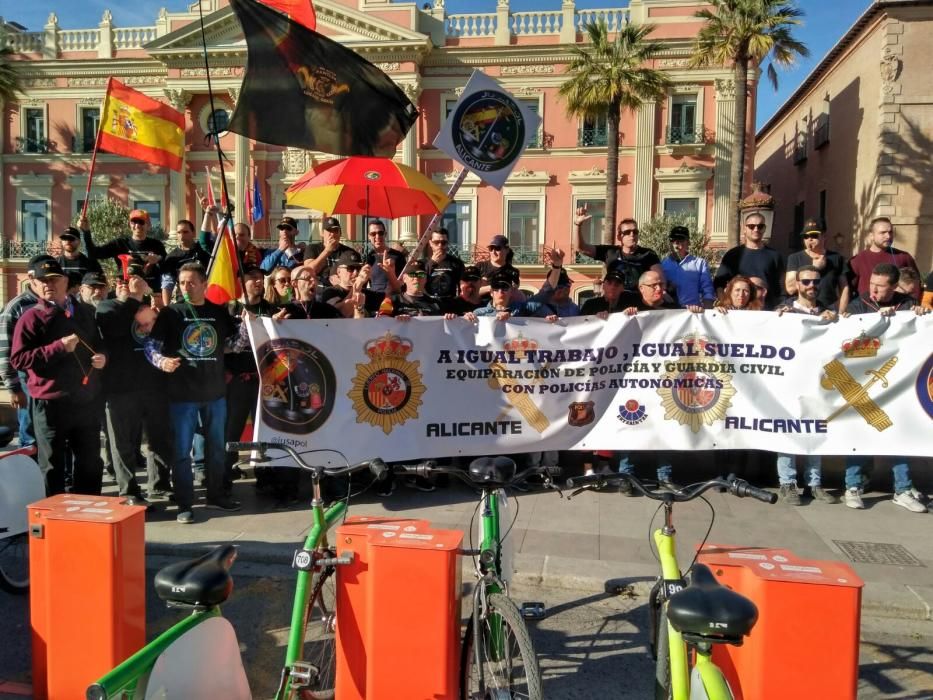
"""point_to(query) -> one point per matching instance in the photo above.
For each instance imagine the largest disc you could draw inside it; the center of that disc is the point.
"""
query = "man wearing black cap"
(613, 299)
(135, 404)
(829, 263)
(94, 288)
(288, 254)
(443, 268)
(413, 301)
(468, 299)
(686, 274)
(348, 293)
(323, 256)
(503, 304)
(75, 263)
(57, 344)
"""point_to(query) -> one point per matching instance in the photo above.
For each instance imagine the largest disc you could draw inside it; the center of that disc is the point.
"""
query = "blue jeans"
(27, 435)
(664, 466)
(787, 469)
(184, 418)
(899, 469)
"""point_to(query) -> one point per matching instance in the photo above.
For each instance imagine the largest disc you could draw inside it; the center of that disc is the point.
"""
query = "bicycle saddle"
(709, 610)
(493, 470)
(202, 582)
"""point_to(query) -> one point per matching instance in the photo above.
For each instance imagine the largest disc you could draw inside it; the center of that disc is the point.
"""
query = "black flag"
(302, 89)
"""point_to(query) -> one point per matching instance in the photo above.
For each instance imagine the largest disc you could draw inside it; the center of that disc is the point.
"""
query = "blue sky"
(825, 22)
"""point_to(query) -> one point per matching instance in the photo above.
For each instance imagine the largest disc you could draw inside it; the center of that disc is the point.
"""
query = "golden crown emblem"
(862, 346)
(520, 345)
(388, 346)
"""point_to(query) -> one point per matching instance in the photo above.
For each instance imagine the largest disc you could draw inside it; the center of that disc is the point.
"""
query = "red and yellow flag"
(137, 126)
(223, 276)
(300, 11)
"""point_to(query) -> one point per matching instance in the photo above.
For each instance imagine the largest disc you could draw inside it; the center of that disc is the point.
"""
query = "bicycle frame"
(714, 683)
(491, 581)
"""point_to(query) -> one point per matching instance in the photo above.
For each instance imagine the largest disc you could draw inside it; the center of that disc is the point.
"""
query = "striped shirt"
(12, 312)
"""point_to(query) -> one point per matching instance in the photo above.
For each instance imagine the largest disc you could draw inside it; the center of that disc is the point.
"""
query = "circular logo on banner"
(692, 394)
(199, 339)
(925, 386)
(298, 385)
(632, 412)
(488, 130)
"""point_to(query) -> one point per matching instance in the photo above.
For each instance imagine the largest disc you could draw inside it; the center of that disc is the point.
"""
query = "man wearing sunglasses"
(753, 259)
(347, 291)
(384, 262)
(288, 254)
(444, 269)
(633, 259)
(148, 252)
(323, 256)
(828, 263)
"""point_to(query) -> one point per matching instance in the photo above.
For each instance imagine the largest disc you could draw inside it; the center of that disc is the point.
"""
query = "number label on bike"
(303, 560)
(672, 586)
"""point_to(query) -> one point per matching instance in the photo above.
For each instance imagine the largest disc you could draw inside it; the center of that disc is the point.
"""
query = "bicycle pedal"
(302, 673)
(534, 610)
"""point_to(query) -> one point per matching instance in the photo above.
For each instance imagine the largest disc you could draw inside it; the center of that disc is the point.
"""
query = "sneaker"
(905, 499)
(820, 494)
(853, 498)
(227, 504)
(668, 485)
(625, 488)
(916, 493)
(185, 517)
(789, 495)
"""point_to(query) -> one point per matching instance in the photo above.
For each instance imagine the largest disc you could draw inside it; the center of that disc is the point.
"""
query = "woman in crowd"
(739, 294)
(279, 286)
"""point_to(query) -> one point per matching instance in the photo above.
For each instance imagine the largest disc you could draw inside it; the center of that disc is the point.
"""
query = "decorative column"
(105, 45)
(568, 16)
(50, 37)
(409, 232)
(722, 150)
(503, 31)
(177, 208)
(644, 163)
(241, 165)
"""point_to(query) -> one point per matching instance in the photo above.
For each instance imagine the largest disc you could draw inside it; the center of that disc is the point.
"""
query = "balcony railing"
(684, 135)
(25, 249)
(821, 131)
(28, 145)
(593, 136)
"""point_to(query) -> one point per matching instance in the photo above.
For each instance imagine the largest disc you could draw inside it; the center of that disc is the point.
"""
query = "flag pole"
(90, 173)
(228, 214)
(461, 176)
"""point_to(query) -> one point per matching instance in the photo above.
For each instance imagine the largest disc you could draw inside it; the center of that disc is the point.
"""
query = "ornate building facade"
(674, 154)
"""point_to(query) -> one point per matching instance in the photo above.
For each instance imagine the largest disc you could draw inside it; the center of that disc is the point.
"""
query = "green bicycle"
(497, 659)
(185, 660)
(688, 617)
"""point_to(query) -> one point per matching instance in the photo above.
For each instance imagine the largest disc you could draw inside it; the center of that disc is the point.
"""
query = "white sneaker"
(907, 500)
(853, 498)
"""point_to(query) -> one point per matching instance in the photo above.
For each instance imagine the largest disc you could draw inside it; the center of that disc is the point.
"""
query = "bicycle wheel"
(14, 564)
(508, 669)
(321, 636)
(662, 664)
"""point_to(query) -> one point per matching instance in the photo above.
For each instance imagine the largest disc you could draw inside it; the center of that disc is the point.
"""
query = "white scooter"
(21, 483)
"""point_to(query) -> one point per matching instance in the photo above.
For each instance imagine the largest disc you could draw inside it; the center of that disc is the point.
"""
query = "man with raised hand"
(633, 259)
(322, 256)
(385, 263)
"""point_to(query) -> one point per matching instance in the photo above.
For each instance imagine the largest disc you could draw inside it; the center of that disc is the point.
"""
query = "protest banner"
(672, 380)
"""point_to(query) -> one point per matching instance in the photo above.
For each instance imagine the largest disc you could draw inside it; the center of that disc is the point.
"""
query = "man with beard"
(75, 263)
(468, 299)
(385, 263)
(93, 288)
(188, 250)
(348, 293)
(613, 299)
(860, 268)
(828, 263)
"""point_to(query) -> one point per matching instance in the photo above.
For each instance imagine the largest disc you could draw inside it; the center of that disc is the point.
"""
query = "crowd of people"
(152, 376)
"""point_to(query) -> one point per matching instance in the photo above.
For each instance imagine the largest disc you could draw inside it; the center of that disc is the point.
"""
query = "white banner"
(487, 130)
(431, 388)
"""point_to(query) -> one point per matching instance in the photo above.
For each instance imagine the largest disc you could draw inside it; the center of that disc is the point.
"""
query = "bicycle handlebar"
(732, 484)
(376, 466)
(429, 467)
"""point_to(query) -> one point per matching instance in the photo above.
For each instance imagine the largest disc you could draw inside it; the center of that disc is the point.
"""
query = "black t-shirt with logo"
(443, 277)
(197, 335)
(127, 369)
(315, 249)
(180, 256)
(423, 305)
(378, 281)
(632, 264)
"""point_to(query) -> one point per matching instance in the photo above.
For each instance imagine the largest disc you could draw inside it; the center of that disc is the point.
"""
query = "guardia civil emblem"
(387, 390)
(692, 395)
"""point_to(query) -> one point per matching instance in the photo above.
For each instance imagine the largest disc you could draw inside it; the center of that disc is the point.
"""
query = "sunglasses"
(811, 235)
(138, 222)
(377, 233)
(282, 280)
(304, 279)
(501, 287)
(495, 247)
(807, 282)
(418, 275)
(755, 226)
(286, 228)
(353, 268)
(629, 232)
(656, 285)
(438, 242)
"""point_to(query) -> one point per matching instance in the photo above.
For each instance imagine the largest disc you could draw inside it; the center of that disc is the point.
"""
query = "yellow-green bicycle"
(692, 616)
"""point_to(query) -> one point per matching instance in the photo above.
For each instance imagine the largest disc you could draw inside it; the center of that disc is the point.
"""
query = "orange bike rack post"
(87, 590)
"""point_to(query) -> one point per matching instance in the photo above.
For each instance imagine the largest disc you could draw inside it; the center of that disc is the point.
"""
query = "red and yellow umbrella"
(373, 186)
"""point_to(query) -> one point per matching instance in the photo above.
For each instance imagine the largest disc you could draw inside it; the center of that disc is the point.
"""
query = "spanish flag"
(223, 276)
(139, 127)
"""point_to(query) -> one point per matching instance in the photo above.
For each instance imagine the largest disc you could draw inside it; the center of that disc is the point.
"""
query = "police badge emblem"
(581, 413)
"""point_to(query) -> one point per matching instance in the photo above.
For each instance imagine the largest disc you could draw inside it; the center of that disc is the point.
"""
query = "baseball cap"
(135, 269)
(499, 241)
(415, 266)
(331, 222)
(615, 274)
(286, 222)
(252, 269)
(349, 257)
(94, 279)
(139, 214)
(69, 234)
(501, 278)
(471, 272)
(679, 233)
(812, 225)
(45, 266)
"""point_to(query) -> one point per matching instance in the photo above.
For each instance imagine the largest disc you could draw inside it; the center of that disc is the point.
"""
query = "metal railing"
(26, 249)
(595, 136)
(684, 135)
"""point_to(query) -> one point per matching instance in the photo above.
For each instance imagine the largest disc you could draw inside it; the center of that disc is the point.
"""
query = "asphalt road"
(590, 645)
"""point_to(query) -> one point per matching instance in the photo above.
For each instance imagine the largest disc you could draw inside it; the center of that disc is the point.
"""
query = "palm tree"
(608, 77)
(744, 33)
(10, 82)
